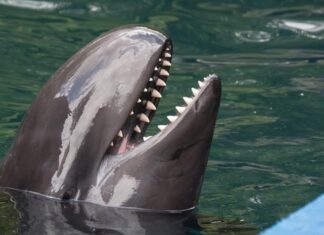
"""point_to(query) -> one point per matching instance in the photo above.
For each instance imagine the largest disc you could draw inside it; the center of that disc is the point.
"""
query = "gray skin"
(38, 215)
(62, 148)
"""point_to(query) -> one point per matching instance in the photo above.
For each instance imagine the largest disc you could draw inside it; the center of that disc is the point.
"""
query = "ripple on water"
(313, 85)
(269, 57)
(282, 178)
(310, 29)
(289, 11)
(253, 36)
(31, 4)
(245, 82)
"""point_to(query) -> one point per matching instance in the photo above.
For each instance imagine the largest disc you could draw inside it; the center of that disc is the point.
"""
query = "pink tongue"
(123, 146)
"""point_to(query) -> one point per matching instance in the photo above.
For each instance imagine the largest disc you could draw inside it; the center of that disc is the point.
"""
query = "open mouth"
(133, 130)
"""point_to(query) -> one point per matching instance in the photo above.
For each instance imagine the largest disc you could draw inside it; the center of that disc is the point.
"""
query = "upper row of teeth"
(159, 82)
(181, 109)
(154, 93)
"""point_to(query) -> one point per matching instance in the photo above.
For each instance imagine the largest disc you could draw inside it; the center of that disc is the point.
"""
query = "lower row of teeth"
(181, 109)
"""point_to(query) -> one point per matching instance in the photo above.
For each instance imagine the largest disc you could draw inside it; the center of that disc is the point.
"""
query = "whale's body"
(38, 215)
(82, 138)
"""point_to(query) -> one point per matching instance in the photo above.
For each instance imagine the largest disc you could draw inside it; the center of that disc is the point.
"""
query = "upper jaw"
(131, 134)
(145, 106)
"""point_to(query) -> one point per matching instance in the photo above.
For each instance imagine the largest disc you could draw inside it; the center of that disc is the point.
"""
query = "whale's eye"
(68, 194)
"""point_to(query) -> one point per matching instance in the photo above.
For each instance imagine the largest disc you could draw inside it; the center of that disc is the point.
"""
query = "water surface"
(267, 155)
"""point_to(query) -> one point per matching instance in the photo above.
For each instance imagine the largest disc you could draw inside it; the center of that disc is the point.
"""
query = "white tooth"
(194, 91)
(161, 127)
(172, 118)
(137, 129)
(156, 94)
(150, 105)
(160, 59)
(206, 78)
(187, 100)
(160, 82)
(167, 55)
(139, 101)
(167, 49)
(132, 113)
(151, 79)
(166, 63)
(145, 89)
(156, 68)
(112, 144)
(163, 72)
(120, 134)
(201, 84)
(180, 109)
(144, 118)
(146, 138)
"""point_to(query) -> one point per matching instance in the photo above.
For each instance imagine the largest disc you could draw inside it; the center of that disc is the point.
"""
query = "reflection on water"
(267, 156)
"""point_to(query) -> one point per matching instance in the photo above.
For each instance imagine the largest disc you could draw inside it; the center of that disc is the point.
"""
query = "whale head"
(83, 138)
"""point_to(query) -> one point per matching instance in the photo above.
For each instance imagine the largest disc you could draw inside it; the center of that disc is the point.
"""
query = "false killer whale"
(83, 137)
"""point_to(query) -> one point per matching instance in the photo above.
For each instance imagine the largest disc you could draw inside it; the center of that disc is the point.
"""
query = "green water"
(267, 155)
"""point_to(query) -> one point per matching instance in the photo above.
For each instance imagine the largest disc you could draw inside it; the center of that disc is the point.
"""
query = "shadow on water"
(28, 213)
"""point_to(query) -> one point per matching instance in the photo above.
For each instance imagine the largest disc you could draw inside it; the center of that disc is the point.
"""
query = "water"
(267, 155)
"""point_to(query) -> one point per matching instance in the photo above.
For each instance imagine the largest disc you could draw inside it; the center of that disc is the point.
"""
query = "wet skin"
(39, 215)
(82, 138)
